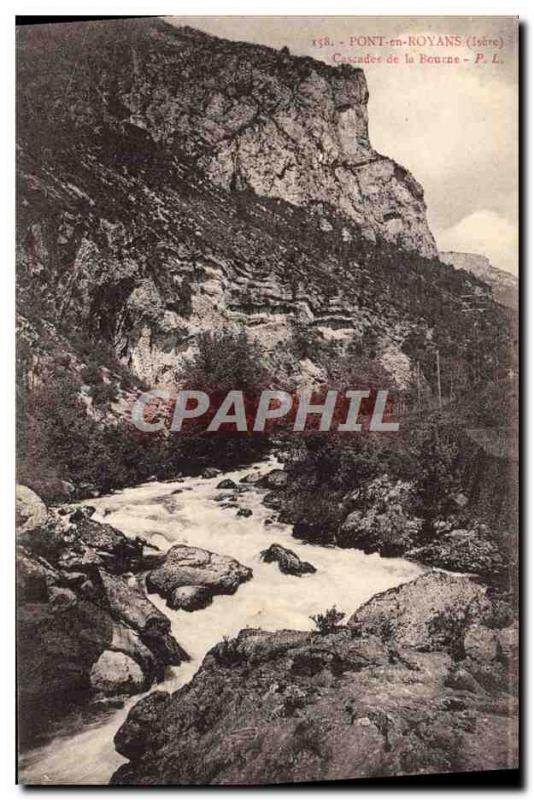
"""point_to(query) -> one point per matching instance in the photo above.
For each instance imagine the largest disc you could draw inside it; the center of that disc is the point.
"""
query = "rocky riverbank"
(87, 633)
(433, 662)
(196, 517)
(420, 680)
(379, 517)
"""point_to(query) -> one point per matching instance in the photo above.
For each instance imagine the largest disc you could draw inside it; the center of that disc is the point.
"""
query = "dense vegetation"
(98, 451)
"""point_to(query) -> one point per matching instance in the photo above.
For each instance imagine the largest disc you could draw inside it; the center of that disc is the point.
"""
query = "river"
(83, 752)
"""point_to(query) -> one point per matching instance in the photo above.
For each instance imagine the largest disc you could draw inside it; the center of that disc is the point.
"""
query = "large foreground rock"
(190, 598)
(362, 701)
(193, 566)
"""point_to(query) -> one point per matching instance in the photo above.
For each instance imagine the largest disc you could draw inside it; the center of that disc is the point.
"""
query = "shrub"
(91, 374)
(226, 360)
(449, 627)
(228, 653)
(329, 621)
(436, 452)
(104, 393)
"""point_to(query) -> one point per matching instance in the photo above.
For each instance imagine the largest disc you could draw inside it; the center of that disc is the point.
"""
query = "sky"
(454, 126)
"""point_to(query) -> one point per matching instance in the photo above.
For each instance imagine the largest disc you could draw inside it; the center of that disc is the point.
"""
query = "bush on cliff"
(226, 360)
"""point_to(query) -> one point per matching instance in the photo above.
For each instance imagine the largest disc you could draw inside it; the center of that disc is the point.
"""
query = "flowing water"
(83, 753)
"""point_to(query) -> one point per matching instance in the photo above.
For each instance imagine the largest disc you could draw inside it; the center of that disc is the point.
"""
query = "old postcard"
(267, 315)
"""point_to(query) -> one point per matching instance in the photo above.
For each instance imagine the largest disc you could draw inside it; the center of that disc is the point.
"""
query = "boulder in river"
(288, 562)
(275, 479)
(128, 602)
(193, 566)
(273, 500)
(131, 737)
(244, 512)
(128, 641)
(190, 598)
(251, 477)
(117, 673)
(381, 518)
(227, 483)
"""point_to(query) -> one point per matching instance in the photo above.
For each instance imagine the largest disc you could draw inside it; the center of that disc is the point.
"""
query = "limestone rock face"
(245, 192)
(255, 118)
(195, 567)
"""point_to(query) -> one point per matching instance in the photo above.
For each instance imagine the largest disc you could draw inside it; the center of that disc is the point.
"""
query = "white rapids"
(271, 600)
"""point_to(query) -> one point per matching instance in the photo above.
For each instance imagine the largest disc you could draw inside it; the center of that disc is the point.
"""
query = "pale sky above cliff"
(453, 126)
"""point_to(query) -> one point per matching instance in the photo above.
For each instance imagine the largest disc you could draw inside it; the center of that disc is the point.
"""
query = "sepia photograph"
(267, 400)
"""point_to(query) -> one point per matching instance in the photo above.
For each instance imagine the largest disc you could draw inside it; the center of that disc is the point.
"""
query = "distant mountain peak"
(504, 285)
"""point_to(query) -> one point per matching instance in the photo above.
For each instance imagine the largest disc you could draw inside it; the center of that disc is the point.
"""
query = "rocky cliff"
(249, 116)
(171, 182)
